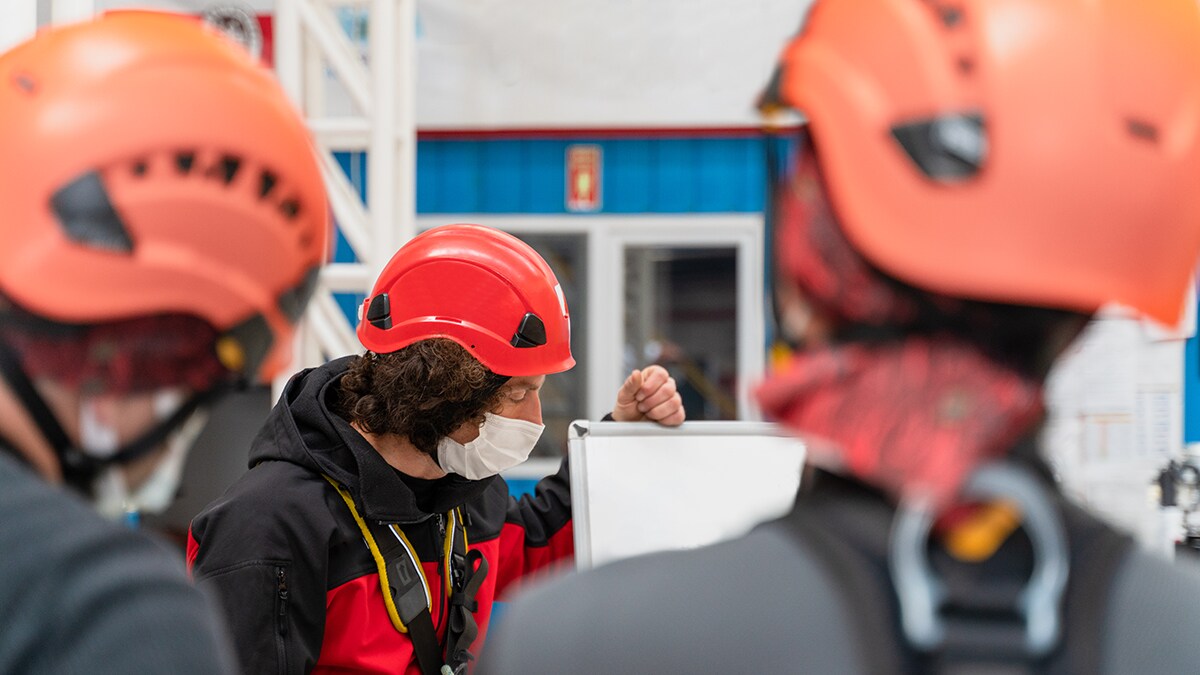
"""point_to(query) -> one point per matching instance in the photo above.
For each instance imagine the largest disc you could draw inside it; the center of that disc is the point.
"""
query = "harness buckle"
(923, 596)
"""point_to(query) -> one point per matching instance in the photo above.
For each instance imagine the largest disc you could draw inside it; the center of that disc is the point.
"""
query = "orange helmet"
(153, 167)
(1030, 152)
(482, 288)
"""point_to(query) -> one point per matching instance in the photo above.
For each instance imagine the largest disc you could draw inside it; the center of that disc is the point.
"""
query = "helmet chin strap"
(80, 468)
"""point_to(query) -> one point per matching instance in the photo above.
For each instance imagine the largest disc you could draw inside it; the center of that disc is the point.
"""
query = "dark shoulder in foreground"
(764, 603)
(79, 594)
(701, 611)
(1154, 616)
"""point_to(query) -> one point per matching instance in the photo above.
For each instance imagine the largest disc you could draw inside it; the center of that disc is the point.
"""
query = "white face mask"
(111, 495)
(502, 444)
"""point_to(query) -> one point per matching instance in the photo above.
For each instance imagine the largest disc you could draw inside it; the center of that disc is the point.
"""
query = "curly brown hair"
(423, 392)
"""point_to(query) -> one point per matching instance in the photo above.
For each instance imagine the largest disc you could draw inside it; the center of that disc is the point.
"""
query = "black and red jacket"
(282, 552)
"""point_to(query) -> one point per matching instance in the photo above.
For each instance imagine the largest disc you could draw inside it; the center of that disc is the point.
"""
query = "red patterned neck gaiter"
(909, 417)
(910, 414)
(118, 358)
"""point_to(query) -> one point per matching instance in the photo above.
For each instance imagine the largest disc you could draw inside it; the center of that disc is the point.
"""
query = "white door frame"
(740, 231)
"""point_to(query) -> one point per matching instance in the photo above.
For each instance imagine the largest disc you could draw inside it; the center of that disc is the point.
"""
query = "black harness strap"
(407, 586)
(463, 628)
(35, 405)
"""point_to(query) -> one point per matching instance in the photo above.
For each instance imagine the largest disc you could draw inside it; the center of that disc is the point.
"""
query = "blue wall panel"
(716, 184)
(1191, 391)
(628, 178)
(460, 168)
(651, 175)
(354, 165)
(640, 175)
(429, 181)
(502, 165)
(349, 303)
(544, 163)
(677, 167)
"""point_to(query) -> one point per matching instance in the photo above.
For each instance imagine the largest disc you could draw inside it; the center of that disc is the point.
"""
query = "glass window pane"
(681, 312)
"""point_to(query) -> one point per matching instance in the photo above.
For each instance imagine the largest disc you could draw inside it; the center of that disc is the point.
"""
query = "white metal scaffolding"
(310, 44)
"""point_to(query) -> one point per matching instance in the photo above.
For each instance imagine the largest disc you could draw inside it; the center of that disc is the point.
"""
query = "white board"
(639, 487)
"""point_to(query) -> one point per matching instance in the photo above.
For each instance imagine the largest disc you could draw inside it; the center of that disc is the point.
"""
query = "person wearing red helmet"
(975, 179)
(400, 449)
(164, 221)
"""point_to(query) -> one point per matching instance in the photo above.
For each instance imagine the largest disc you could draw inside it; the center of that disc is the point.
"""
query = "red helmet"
(1028, 152)
(153, 167)
(483, 288)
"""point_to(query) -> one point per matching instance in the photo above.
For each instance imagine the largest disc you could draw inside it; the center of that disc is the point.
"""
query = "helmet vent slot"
(184, 162)
(1142, 130)
(266, 183)
(226, 169)
(951, 16)
(947, 149)
(87, 215)
(25, 83)
(290, 208)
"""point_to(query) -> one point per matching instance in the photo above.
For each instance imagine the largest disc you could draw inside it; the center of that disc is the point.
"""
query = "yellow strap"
(447, 550)
(979, 536)
(379, 563)
(454, 523)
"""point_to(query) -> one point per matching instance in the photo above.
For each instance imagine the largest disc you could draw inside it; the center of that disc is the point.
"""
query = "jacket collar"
(307, 431)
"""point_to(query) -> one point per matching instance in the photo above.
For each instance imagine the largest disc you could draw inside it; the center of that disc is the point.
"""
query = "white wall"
(1115, 418)
(581, 63)
(575, 63)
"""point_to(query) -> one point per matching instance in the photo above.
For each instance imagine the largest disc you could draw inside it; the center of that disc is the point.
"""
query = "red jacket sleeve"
(537, 537)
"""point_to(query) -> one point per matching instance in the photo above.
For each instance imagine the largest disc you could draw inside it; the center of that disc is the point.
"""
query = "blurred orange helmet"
(1033, 152)
(153, 167)
(482, 288)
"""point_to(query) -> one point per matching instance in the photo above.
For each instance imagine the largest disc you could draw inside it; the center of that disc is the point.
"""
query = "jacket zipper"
(281, 587)
(442, 562)
(281, 591)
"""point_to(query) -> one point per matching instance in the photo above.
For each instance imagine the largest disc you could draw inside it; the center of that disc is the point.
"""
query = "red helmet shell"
(482, 288)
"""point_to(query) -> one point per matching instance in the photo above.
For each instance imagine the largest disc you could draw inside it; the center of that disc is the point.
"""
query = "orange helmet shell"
(151, 166)
(482, 288)
(1085, 192)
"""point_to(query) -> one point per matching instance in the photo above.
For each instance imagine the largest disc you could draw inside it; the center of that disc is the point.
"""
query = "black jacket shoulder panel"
(275, 509)
(488, 512)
